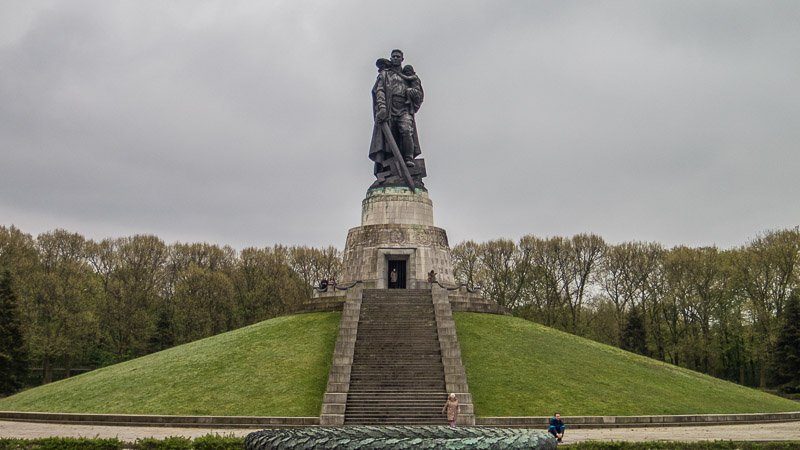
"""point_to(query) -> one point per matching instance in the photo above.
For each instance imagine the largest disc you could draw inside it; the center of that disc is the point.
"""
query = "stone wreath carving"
(372, 236)
(399, 437)
(397, 236)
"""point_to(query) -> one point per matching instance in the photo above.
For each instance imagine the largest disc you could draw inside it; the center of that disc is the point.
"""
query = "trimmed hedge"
(706, 445)
(216, 442)
(208, 442)
(60, 444)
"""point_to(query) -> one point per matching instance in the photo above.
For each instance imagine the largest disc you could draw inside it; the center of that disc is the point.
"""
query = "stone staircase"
(397, 376)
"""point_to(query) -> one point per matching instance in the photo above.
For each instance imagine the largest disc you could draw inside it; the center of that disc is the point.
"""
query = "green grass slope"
(520, 368)
(278, 367)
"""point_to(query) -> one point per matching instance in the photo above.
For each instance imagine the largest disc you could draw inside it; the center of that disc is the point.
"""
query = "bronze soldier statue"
(396, 97)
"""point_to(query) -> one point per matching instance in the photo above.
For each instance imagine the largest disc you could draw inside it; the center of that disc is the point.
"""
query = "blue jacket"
(558, 424)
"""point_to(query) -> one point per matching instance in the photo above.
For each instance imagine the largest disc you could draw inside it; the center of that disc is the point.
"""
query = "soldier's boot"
(408, 149)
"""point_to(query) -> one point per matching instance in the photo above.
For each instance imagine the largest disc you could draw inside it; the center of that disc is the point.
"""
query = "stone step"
(428, 338)
(365, 400)
(421, 371)
(398, 370)
(399, 306)
(390, 375)
(380, 357)
(400, 395)
(389, 421)
(397, 376)
(433, 370)
(388, 411)
(400, 348)
(365, 380)
(394, 322)
(400, 345)
(394, 364)
(423, 401)
(377, 351)
(386, 372)
(423, 405)
(430, 383)
(410, 331)
(361, 396)
(396, 293)
(371, 385)
(386, 354)
(431, 414)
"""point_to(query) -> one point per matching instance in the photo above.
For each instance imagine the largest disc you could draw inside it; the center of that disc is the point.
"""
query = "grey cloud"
(248, 123)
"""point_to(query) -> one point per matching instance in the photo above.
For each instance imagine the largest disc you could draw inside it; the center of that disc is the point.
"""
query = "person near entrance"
(393, 279)
(431, 277)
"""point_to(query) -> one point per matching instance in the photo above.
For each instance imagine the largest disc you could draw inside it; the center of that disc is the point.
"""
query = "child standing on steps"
(452, 409)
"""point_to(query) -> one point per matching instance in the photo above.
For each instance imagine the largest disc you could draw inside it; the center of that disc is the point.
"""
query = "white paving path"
(762, 432)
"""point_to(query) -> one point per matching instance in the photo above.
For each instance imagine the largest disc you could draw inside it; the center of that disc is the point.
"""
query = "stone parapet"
(576, 422)
(454, 374)
(257, 422)
(335, 398)
(149, 420)
(465, 301)
(323, 304)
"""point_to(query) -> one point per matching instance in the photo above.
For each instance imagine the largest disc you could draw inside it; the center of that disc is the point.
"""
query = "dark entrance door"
(397, 274)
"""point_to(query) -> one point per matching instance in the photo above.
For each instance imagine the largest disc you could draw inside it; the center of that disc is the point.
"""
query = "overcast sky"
(248, 123)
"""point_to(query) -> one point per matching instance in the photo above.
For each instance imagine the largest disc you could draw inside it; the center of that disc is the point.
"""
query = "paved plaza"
(761, 432)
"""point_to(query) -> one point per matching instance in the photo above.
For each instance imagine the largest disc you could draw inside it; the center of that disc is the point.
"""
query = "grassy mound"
(278, 367)
(519, 368)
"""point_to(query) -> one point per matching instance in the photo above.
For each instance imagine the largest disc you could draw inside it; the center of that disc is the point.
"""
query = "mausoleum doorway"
(396, 274)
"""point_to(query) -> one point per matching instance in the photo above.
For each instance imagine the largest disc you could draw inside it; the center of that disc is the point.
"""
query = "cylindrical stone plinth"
(396, 224)
(393, 205)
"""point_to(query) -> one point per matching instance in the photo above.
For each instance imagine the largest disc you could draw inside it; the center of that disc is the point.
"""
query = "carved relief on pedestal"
(395, 235)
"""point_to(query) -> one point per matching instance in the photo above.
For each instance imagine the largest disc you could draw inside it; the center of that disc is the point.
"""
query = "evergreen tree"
(13, 355)
(787, 349)
(634, 335)
(163, 337)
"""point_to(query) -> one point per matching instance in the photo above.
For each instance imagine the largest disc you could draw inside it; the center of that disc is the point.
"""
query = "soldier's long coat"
(379, 150)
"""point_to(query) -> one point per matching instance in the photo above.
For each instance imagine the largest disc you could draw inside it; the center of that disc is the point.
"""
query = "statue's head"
(383, 63)
(397, 57)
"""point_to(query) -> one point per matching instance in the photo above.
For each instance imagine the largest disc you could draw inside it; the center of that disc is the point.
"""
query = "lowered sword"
(398, 159)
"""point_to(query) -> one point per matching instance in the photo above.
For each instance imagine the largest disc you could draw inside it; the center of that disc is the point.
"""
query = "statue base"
(396, 233)
(391, 178)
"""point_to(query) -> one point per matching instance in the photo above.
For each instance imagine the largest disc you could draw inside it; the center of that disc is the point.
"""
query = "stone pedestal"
(396, 224)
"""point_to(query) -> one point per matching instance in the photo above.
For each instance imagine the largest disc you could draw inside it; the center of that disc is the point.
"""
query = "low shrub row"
(663, 445)
(209, 442)
(216, 442)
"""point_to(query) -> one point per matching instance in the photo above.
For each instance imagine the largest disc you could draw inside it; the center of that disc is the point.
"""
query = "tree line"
(71, 302)
(85, 303)
(721, 312)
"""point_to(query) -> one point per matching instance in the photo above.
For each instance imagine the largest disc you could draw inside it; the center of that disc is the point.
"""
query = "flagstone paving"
(788, 431)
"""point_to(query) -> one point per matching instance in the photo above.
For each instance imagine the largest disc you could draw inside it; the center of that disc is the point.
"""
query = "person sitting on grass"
(556, 427)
